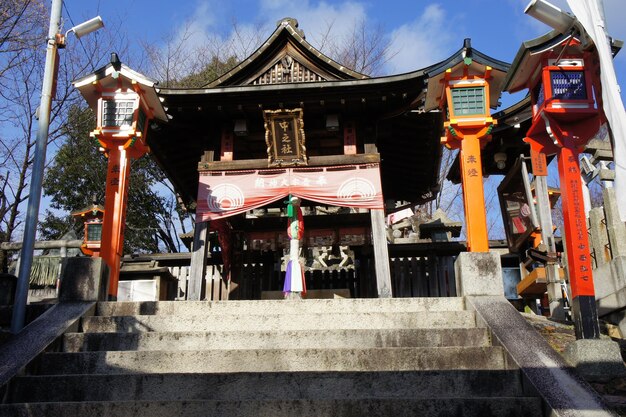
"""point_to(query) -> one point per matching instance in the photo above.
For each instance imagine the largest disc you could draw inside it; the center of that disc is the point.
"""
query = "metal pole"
(555, 294)
(34, 197)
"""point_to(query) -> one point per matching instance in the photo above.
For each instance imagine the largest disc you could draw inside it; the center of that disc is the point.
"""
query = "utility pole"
(34, 196)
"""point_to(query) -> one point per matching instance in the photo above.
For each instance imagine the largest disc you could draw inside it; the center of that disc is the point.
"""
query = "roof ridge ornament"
(466, 53)
(293, 22)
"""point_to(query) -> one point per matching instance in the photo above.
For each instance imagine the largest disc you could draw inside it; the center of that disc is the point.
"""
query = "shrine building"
(290, 121)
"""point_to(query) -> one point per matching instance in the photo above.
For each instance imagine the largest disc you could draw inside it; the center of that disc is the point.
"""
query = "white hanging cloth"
(590, 14)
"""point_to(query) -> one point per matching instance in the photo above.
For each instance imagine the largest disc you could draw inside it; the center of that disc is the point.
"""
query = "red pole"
(118, 176)
(584, 311)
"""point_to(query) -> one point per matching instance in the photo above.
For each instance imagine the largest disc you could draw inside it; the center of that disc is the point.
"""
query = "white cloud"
(315, 18)
(195, 29)
(212, 21)
(422, 42)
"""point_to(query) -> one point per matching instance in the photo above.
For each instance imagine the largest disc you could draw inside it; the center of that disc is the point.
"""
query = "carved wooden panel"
(287, 70)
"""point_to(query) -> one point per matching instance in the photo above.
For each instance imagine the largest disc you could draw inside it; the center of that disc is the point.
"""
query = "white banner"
(591, 16)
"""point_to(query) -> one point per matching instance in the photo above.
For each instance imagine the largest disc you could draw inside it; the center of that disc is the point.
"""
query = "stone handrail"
(24, 347)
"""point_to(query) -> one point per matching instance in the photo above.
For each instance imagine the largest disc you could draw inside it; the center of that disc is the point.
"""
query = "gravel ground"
(559, 335)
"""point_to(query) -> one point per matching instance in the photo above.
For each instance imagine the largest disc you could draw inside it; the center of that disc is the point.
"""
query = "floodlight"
(87, 27)
(551, 15)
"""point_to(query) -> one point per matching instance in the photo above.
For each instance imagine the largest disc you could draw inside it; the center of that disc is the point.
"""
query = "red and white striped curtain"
(227, 193)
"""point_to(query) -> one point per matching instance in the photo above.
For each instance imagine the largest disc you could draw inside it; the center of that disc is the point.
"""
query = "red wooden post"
(227, 145)
(577, 245)
(116, 193)
(349, 138)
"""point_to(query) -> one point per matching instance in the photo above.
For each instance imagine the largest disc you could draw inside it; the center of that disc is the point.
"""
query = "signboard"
(516, 203)
(284, 135)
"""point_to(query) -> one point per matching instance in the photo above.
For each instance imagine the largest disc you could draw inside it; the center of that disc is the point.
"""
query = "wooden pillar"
(226, 153)
(199, 254)
(197, 270)
(381, 250)
(349, 138)
(381, 253)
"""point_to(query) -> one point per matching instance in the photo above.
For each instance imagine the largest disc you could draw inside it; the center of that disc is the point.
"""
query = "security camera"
(551, 15)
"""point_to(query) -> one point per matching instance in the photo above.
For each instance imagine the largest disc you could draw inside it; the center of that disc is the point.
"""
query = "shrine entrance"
(257, 228)
(337, 254)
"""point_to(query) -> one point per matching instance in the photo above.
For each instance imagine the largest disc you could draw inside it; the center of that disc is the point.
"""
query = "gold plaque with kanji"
(284, 135)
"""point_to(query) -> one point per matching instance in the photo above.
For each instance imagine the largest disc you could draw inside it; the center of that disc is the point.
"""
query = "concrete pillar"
(478, 273)
(599, 237)
(84, 279)
(615, 226)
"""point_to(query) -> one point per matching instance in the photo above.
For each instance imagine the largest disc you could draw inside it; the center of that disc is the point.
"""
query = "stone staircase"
(382, 357)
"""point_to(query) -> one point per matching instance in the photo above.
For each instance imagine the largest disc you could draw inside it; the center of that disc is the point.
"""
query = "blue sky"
(422, 32)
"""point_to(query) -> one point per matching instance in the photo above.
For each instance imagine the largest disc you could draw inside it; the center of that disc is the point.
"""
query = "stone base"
(478, 273)
(84, 279)
(596, 359)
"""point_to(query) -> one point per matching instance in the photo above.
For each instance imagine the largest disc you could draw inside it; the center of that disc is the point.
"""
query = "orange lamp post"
(125, 102)
(464, 88)
(468, 128)
(558, 72)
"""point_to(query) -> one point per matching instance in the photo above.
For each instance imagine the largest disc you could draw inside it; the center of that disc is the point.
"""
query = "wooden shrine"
(288, 107)
(289, 120)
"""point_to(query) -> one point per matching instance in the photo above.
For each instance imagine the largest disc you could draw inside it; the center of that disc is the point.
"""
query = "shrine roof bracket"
(465, 59)
(116, 75)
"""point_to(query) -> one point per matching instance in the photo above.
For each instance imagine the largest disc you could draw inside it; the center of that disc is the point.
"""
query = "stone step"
(274, 360)
(267, 386)
(261, 307)
(277, 339)
(467, 407)
(273, 321)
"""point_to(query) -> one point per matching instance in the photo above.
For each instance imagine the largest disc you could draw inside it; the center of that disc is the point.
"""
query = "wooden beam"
(314, 161)
(197, 271)
(381, 253)
(49, 244)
